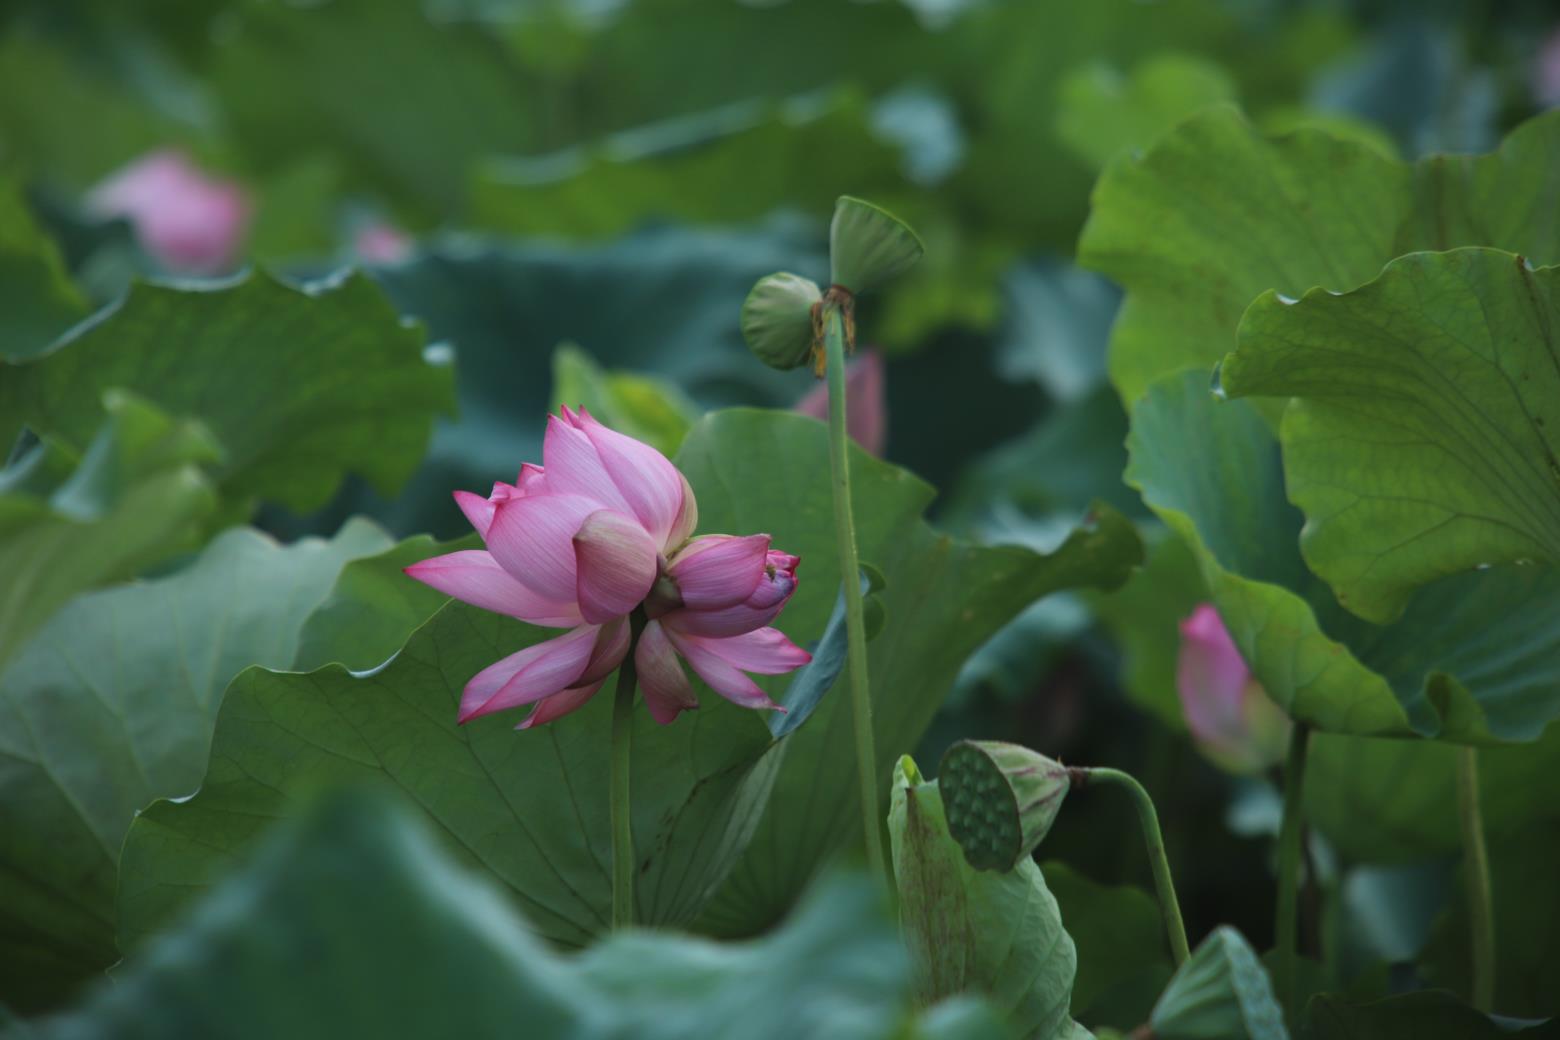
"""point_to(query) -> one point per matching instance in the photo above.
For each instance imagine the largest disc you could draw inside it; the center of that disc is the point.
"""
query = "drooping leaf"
(137, 495)
(1423, 1015)
(1424, 435)
(1216, 214)
(1221, 991)
(997, 933)
(38, 301)
(299, 386)
(942, 599)
(644, 407)
(1469, 660)
(1119, 935)
(109, 706)
(454, 958)
(1102, 111)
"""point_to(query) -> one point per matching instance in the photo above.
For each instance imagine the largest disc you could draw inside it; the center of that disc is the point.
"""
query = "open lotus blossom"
(189, 222)
(601, 529)
(1230, 715)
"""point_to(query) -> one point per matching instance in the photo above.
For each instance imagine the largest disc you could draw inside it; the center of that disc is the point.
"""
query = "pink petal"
(766, 651)
(530, 479)
(616, 565)
(533, 673)
(187, 221)
(574, 468)
(380, 242)
(1211, 677)
(650, 483)
(550, 709)
(479, 510)
(533, 539)
(474, 577)
(866, 402)
(719, 570)
(666, 687)
(722, 623)
(610, 649)
(687, 517)
(723, 677)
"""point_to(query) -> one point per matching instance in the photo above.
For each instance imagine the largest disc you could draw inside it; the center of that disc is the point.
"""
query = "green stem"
(850, 571)
(622, 820)
(1164, 886)
(1476, 867)
(1290, 839)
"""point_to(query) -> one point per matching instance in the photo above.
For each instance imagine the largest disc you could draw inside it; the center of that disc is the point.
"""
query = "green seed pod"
(1001, 800)
(1221, 993)
(868, 246)
(777, 319)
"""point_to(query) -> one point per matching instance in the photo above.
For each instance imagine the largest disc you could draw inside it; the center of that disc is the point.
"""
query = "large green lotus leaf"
(529, 806)
(138, 495)
(1215, 214)
(109, 706)
(420, 101)
(1422, 1015)
(996, 933)
(1423, 434)
(943, 598)
(660, 302)
(1103, 112)
(684, 171)
(299, 386)
(37, 299)
(1120, 938)
(360, 889)
(1472, 658)
(1526, 903)
(1393, 801)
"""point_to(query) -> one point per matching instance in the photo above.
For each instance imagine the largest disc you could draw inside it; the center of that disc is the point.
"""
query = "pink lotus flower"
(381, 243)
(866, 407)
(600, 531)
(187, 221)
(1229, 713)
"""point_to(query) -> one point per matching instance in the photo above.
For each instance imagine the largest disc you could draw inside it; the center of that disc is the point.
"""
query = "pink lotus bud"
(866, 404)
(1231, 717)
(381, 243)
(188, 222)
(1546, 72)
(600, 531)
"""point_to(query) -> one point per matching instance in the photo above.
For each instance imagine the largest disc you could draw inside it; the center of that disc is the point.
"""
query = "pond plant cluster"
(472, 564)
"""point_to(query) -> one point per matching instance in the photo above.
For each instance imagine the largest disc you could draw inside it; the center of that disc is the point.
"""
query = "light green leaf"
(942, 599)
(299, 386)
(1470, 660)
(1424, 434)
(1216, 214)
(529, 806)
(683, 170)
(1102, 112)
(1221, 992)
(110, 706)
(997, 933)
(136, 496)
(646, 408)
(38, 301)
(453, 958)
(1120, 940)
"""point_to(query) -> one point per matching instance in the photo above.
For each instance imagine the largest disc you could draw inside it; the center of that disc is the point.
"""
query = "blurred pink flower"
(1546, 72)
(599, 531)
(1230, 715)
(379, 242)
(866, 405)
(188, 222)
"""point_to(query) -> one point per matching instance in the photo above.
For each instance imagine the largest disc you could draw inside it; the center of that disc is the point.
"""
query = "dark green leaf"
(1425, 1015)
(1221, 993)
(1120, 938)
(37, 300)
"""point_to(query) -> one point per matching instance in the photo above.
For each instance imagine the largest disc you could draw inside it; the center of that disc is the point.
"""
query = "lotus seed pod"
(1001, 799)
(777, 319)
(868, 246)
(1222, 991)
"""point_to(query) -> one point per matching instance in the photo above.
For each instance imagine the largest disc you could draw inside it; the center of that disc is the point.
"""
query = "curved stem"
(850, 570)
(1290, 839)
(1476, 867)
(1164, 886)
(622, 820)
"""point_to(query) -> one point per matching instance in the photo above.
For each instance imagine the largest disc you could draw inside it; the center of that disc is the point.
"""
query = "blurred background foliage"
(610, 176)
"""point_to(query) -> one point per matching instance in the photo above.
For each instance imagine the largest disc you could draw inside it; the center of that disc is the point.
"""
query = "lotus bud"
(868, 246)
(1001, 800)
(777, 319)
